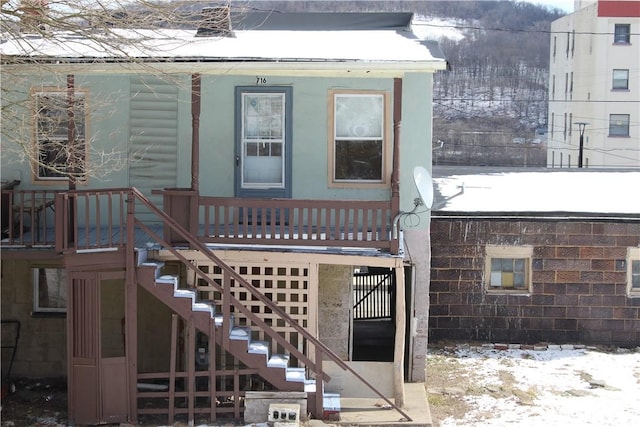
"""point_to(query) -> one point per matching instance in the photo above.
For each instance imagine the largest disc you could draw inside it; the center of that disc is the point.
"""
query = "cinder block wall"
(42, 345)
(579, 283)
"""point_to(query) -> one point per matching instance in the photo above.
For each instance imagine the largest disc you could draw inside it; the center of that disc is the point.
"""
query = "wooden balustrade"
(95, 220)
(339, 223)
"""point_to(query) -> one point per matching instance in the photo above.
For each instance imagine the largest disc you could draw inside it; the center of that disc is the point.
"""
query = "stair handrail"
(320, 347)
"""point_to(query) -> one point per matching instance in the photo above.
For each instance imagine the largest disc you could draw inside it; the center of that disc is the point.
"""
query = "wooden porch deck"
(99, 237)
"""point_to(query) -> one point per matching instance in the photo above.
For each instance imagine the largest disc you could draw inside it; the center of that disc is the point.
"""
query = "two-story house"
(266, 167)
(594, 108)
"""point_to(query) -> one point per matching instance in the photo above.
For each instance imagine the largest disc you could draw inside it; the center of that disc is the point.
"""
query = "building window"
(633, 272)
(58, 159)
(622, 34)
(508, 268)
(620, 79)
(358, 146)
(49, 290)
(618, 124)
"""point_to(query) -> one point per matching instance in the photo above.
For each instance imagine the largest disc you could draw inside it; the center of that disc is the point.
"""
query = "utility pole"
(581, 126)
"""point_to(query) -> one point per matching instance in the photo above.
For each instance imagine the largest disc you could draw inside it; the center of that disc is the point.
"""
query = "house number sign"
(261, 80)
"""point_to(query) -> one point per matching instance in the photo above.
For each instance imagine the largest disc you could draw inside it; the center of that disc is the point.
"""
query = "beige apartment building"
(594, 87)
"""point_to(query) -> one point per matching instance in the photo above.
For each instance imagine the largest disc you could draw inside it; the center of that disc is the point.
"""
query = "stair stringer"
(276, 376)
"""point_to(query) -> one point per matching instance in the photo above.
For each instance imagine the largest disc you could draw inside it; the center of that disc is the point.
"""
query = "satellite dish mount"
(424, 185)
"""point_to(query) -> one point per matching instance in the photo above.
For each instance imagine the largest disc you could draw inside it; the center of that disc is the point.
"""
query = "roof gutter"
(537, 216)
(291, 67)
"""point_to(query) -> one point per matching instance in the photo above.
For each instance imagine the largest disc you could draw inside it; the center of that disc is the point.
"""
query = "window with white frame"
(49, 290)
(358, 145)
(508, 268)
(622, 34)
(56, 120)
(633, 272)
(619, 124)
(620, 79)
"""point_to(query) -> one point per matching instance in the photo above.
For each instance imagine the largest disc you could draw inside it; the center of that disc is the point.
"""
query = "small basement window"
(508, 268)
(49, 290)
(633, 272)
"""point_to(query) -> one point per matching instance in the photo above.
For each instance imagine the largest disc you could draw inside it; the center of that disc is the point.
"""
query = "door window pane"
(263, 133)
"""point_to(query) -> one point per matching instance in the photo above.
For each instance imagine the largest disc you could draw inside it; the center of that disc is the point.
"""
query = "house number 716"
(261, 80)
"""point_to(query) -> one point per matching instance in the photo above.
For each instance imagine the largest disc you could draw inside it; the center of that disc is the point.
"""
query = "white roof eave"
(245, 66)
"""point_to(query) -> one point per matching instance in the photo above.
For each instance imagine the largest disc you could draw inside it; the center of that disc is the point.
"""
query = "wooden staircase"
(237, 340)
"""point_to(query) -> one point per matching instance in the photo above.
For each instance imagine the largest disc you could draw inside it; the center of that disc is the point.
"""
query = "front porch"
(96, 220)
(331, 232)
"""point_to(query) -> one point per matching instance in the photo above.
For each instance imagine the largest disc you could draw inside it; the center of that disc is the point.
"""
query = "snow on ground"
(567, 387)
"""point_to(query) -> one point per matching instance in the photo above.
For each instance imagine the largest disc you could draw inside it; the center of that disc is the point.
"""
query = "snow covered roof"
(491, 191)
(387, 48)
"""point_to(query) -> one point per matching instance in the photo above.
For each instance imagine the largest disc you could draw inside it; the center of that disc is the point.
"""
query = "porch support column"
(71, 137)
(131, 312)
(195, 131)
(398, 351)
(395, 173)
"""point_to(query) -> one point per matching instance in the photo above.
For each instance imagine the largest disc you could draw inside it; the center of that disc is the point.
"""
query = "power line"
(515, 30)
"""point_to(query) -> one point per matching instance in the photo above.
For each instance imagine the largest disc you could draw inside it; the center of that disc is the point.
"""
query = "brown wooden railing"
(341, 223)
(95, 220)
(91, 220)
(27, 215)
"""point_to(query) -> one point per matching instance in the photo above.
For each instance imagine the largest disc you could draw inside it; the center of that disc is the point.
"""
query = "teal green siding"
(119, 122)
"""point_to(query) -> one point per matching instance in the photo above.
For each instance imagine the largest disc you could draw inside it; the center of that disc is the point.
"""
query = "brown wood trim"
(395, 175)
(195, 131)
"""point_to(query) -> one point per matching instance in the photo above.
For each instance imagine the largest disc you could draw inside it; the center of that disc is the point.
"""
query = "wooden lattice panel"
(287, 285)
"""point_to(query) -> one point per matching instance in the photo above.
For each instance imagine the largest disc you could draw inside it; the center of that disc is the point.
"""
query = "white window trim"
(633, 254)
(36, 300)
(499, 251)
(386, 141)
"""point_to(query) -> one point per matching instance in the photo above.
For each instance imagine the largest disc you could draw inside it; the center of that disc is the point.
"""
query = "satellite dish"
(424, 184)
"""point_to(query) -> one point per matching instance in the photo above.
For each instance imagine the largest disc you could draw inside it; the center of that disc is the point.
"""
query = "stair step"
(158, 265)
(310, 386)
(141, 256)
(298, 375)
(167, 279)
(240, 333)
(278, 361)
(259, 347)
(185, 293)
(204, 307)
(218, 318)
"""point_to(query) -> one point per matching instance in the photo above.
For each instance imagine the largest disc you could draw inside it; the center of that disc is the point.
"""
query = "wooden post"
(131, 313)
(71, 137)
(398, 352)
(395, 173)
(195, 131)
